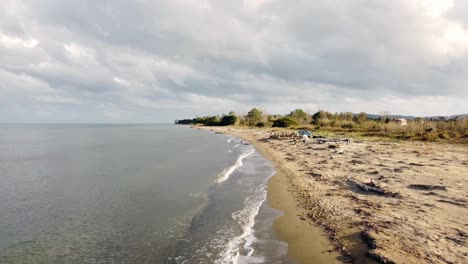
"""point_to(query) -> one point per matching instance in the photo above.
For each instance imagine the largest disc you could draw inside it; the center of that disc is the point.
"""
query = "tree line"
(384, 125)
(256, 118)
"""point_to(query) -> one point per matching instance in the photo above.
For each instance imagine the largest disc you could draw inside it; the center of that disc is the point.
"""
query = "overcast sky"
(159, 60)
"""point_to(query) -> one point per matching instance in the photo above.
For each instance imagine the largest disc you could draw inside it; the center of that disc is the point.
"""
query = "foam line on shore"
(289, 228)
(227, 172)
(246, 219)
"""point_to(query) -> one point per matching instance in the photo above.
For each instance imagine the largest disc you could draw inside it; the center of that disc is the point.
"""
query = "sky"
(140, 61)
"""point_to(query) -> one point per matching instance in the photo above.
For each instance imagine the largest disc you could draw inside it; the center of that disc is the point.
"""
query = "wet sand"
(307, 243)
(422, 218)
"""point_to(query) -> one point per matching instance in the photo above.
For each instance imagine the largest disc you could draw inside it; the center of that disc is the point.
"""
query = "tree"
(213, 121)
(228, 120)
(253, 117)
(284, 122)
(320, 115)
(299, 116)
(385, 116)
(348, 116)
(360, 118)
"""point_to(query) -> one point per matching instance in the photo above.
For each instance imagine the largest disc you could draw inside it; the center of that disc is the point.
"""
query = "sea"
(159, 193)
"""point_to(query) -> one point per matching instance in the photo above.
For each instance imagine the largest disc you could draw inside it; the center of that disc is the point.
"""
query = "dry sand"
(423, 218)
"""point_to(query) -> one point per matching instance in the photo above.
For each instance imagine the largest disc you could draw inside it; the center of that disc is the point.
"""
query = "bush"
(284, 122)
(299, 116)
(228, 120)
(260, 124)
(213, 121)
(253, 117)
(324, 122)
(348, 124)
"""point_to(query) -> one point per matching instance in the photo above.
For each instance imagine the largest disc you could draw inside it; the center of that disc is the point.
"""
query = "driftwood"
(366, 187)
(323, 140)
(427, 187)
(339, 151)
(283, 135)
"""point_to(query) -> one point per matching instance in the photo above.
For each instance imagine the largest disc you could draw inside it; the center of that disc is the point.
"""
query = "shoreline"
(420, 217)
(307, 243)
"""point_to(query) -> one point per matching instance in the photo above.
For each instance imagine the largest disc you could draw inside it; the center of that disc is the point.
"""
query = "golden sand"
(422, 219)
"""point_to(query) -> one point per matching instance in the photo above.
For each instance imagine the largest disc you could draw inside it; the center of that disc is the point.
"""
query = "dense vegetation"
(224, 120)
(427, 129)
(284, 122)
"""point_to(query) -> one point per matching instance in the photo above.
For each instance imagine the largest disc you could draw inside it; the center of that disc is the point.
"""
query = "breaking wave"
(228, 171)
(239, 249)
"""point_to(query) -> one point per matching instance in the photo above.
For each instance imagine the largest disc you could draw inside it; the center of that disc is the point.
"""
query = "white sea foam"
(236, 241)
(235, 146)
(229, 140)
(227, 172)
(245, 217)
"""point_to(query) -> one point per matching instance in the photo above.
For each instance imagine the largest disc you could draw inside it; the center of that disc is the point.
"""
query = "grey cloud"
(146, 61)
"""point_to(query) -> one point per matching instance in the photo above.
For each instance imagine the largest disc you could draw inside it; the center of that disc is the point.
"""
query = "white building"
(401, 121)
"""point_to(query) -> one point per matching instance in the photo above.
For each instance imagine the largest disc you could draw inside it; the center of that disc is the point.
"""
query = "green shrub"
(299, 116)
(260, 124)
(228, 120)
(284, 122)
(348, 125)
(253, 117)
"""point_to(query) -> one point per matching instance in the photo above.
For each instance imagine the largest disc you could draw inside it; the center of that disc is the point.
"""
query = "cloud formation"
(155, 61)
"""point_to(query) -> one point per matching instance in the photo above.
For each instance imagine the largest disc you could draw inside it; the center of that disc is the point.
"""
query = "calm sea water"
(132, 194)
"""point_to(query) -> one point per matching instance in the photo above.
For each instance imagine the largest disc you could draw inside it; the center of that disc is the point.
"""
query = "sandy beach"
(421, 218)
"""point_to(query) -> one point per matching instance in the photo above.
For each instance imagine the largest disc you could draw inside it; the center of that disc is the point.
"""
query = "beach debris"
(369, 187)
(416, 164)
(332, 146)
(458, 202)
(314, 174)
(427, 187)
(461, 233)
(282, 135)
(339, 151)
(323, 140)
(461, 237)
(304, 132)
